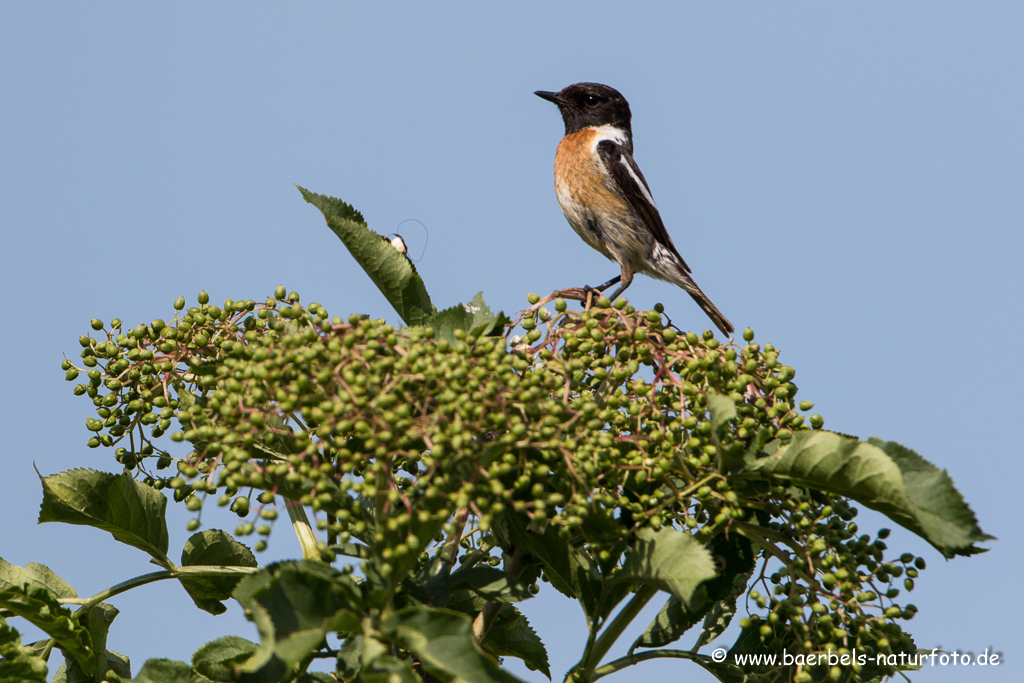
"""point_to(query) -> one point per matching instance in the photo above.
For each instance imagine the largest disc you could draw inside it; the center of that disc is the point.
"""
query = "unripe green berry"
(96, 324)
(179, 303)
(240, 506)
(204, 298)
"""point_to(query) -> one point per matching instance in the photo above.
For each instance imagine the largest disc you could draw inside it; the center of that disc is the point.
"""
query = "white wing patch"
(618, 136)
(636, 179)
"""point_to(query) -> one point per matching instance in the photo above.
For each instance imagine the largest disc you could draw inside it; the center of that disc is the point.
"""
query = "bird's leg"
(601, 288)
(589, 291)
(626, 279)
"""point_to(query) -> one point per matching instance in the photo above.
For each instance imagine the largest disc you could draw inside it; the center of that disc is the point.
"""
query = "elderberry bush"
(456, 465)
(592, 427)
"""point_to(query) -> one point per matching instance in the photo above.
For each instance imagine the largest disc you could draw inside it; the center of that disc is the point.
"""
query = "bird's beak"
(550, 97)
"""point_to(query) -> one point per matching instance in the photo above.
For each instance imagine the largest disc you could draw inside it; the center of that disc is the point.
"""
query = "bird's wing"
(620, 165)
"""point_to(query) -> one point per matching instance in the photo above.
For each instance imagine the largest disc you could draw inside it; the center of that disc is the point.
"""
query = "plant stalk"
(584, 671)
(303, 530)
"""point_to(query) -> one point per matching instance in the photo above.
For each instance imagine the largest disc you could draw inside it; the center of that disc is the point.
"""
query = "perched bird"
(605, 197)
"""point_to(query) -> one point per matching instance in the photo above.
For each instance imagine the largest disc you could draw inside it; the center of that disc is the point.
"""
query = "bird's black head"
(589, 104)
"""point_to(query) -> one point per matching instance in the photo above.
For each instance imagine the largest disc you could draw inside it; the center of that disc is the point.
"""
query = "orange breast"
(581, 178)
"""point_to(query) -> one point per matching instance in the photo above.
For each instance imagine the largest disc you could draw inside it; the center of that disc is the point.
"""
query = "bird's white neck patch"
(610, 132)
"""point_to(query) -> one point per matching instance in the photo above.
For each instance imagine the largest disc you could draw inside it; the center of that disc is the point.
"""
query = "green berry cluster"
(596, 421)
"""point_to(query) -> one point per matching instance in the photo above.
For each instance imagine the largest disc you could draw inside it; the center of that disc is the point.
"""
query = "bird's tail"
(720, 321)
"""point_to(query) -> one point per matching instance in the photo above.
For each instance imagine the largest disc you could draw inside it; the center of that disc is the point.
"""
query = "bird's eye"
(592, 100)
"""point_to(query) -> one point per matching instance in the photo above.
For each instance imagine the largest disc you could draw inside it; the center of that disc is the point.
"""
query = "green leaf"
(722, 411)
(475, 318)
(443, 640)
(735, 556)
(294, 605)
(349, 658)
(113, 663)
(669, 560)
(572, 572)
(213, 548)
(166, 671)
(671, 622)
(749, 642)
(490, 583)
(510, 635)
(133, 512)
(714, 601)
(97, 620)
(218, 658)
(885, 477)
(721, 613)
(392, 272)
(34, 574)
(41, 607)
(723, 671)
(940, 508)
(388, 669)
(18, 662)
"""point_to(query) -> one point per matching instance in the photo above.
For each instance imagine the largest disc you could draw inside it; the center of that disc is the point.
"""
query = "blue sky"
(845, 178)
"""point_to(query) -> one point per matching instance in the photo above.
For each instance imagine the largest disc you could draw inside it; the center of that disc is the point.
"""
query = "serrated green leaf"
(892, 480)
(116, 667)
(669, 560)
(672, 621)
(131, 511)
(387, 669)
(721, 613)
(167, 671)
(18, 662)
(213, 548)
(566, 569)
(735, 557)
(749, 642)
(319, 677)
(475, 318)
(510, 635)
(41, 608)
(443, 640)
(349, 657)
(722, 410)
(218, 658)
(489, 583)
(97, 621)
(294, 605)
(723, 671)
(939, 507)
(392, 272)
(34, 574)
(714, 600)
